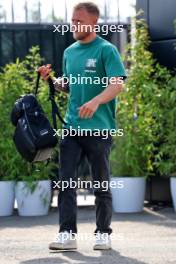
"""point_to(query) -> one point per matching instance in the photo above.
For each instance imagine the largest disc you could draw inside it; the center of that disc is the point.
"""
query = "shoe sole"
(62, 247)
(101, 248)
(59, 249)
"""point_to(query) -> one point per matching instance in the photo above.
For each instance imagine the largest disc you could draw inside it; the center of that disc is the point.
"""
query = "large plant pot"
(7, 197)
(173, 190)
(130, 198)
(34, 203)
(158, 190)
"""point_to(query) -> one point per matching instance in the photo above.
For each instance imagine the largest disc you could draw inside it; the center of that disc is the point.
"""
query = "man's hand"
(45, 71)
(88, 109)
(112, 90)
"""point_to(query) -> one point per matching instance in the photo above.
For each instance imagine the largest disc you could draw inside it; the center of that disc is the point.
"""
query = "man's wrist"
(98, 100)
(59, 84)
(56, 83)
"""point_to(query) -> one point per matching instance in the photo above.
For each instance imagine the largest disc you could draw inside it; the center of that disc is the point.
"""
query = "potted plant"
(33, 191)
(167, 152)
(173, 189)
(7, 184)
(8, 157)
(16, 79)
(12, 84)
(130, 163)
(7, 197)
(131, 156)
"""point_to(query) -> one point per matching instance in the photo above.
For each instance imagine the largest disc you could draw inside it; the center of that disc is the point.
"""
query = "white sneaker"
(63, 240)
(102, 241)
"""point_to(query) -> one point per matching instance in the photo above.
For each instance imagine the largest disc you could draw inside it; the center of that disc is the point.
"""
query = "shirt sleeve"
(113, 65)
(64, 65)
(64, 73)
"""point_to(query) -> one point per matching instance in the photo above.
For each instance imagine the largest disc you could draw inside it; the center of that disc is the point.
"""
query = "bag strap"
(55, 109)
(37, 84)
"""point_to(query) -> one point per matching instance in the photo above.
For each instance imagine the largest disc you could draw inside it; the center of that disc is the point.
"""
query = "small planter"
(7, 197)
(34, 203)
(173, 190)
(130, 198)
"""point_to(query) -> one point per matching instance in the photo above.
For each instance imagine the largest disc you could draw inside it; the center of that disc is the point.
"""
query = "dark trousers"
(97, 151)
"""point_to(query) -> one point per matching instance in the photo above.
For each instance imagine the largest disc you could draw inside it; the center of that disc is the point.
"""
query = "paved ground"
(148, 237)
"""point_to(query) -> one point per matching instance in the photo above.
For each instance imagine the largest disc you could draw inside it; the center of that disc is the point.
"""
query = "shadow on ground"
(106, 257)
(165, 217)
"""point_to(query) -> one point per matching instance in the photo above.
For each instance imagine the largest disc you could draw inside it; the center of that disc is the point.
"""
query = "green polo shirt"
(93, 60)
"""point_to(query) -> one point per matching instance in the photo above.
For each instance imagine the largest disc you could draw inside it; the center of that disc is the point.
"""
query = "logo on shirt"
(91, 65)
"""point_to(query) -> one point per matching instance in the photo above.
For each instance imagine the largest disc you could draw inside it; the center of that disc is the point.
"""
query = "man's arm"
(111, 91)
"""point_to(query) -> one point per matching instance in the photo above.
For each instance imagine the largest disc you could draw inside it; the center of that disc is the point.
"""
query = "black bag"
(34, 136)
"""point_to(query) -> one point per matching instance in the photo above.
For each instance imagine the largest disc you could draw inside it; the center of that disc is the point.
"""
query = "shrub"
(16, 79)
(140, 111)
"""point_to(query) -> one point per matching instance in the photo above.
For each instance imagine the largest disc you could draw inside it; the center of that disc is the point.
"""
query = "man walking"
(91, 106)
